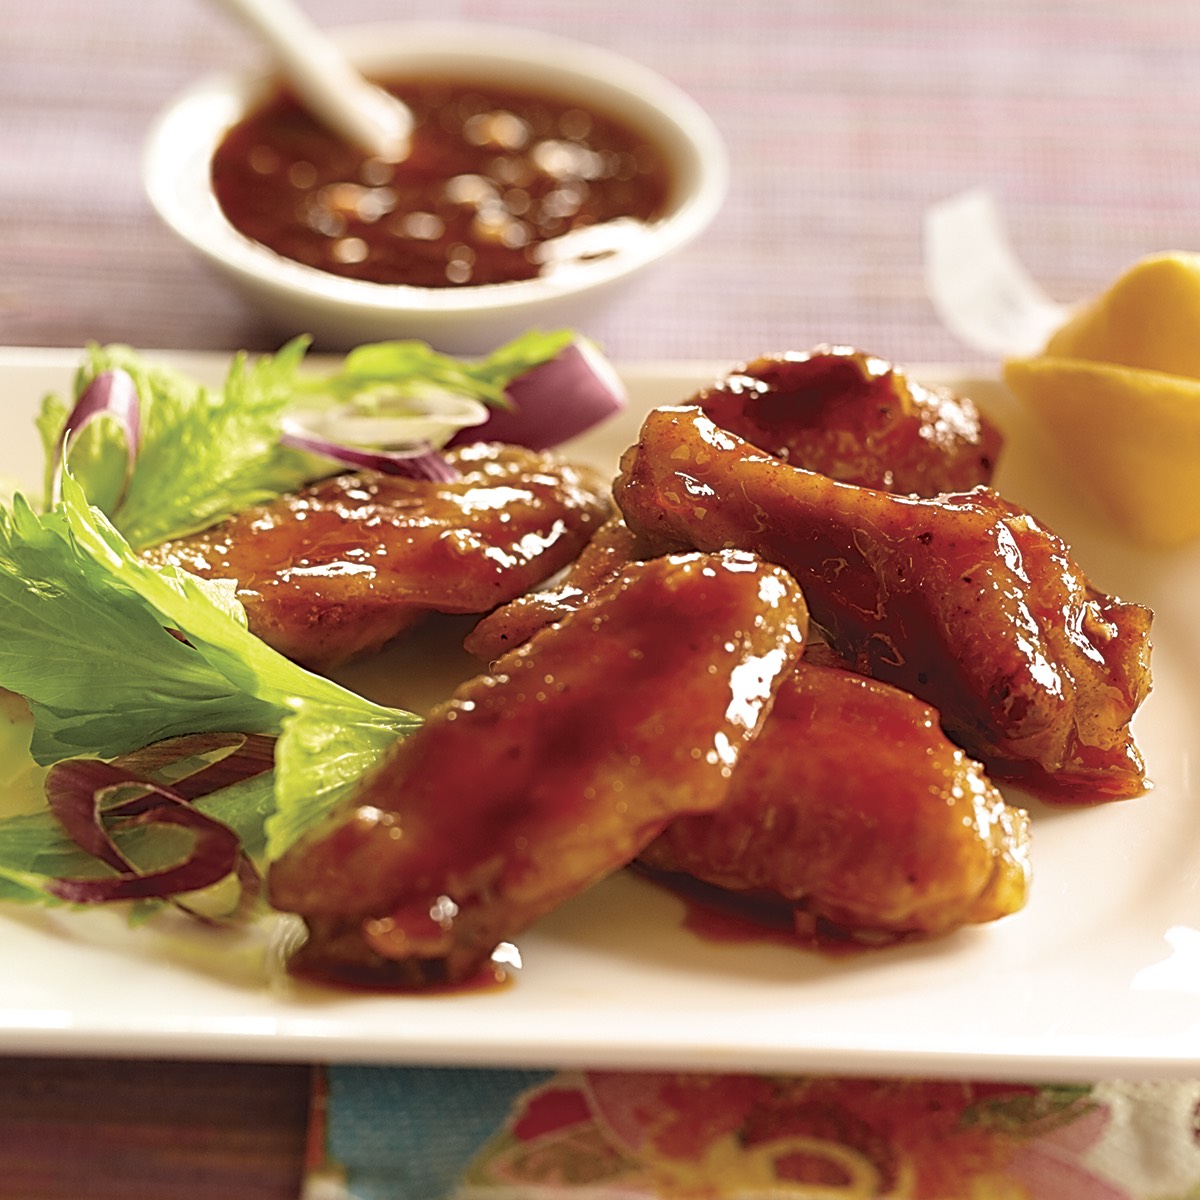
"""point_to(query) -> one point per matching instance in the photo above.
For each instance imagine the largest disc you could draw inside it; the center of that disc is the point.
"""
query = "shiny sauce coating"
(494, 178)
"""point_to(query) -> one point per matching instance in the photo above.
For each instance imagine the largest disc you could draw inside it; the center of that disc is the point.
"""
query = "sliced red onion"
(554, 401)
(214, 855)
(397, 434)
(79, 793)
(110, 394)
(414, 462)
(247, 755)
(390, 419)
(548, 404)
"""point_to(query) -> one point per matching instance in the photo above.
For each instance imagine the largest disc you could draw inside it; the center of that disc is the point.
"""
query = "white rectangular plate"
(1098, 977)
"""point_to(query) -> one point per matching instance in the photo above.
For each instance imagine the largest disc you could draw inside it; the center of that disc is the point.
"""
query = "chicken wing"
(856, 418)
(963, 599)
(852, 806)
(835, 410)
(559, 767)
(346, 564)
(612, 547)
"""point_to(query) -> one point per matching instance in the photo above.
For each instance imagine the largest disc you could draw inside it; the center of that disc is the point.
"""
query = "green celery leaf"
(325, 750)
(34, 849)
(100, 673)
(204, 454)
(245, 807)
(414, 366)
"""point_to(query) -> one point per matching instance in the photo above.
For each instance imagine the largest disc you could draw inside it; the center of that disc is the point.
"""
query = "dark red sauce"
(493, 976)
(492, 178)
(720, 916)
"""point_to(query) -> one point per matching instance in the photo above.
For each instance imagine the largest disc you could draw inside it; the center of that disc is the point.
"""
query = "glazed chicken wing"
(852, 806)
(846, 414)
(835, 410)
(557, 768)
(346, 564)
(613, 546)
(963, 599)
(856, 418)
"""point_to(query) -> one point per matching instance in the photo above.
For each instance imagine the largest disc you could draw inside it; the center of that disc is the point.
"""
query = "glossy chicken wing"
(963, 600)
(612, 547)
(559, 767)
(856, 418)
(852, 806)
(346, 564)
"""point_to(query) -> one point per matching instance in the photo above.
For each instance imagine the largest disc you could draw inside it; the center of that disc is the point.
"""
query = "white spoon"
(325, 81)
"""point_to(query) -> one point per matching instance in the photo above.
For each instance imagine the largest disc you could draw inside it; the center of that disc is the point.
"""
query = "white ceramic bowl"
(341, 312)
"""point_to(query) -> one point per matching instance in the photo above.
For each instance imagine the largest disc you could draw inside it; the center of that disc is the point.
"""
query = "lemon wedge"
(1131, 436)
(1149, 318)
(1118, 386)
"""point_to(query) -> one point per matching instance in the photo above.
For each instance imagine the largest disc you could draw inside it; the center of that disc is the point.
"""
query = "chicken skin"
(962, 600)
(346, 564)
(559, 767)
(856, 418)
(854, 808)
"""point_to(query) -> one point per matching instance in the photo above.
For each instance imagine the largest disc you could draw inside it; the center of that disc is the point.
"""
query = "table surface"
(844, 121)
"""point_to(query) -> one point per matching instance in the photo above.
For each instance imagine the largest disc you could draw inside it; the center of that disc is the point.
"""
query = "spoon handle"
(333, 90)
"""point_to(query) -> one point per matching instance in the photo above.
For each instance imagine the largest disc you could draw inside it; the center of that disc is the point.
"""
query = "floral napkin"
(413, 1133)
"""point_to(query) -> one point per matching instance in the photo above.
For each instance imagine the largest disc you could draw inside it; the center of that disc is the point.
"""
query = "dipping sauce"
(494, 178)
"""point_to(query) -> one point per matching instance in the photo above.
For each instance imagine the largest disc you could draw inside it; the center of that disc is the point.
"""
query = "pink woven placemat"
(845, 121)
